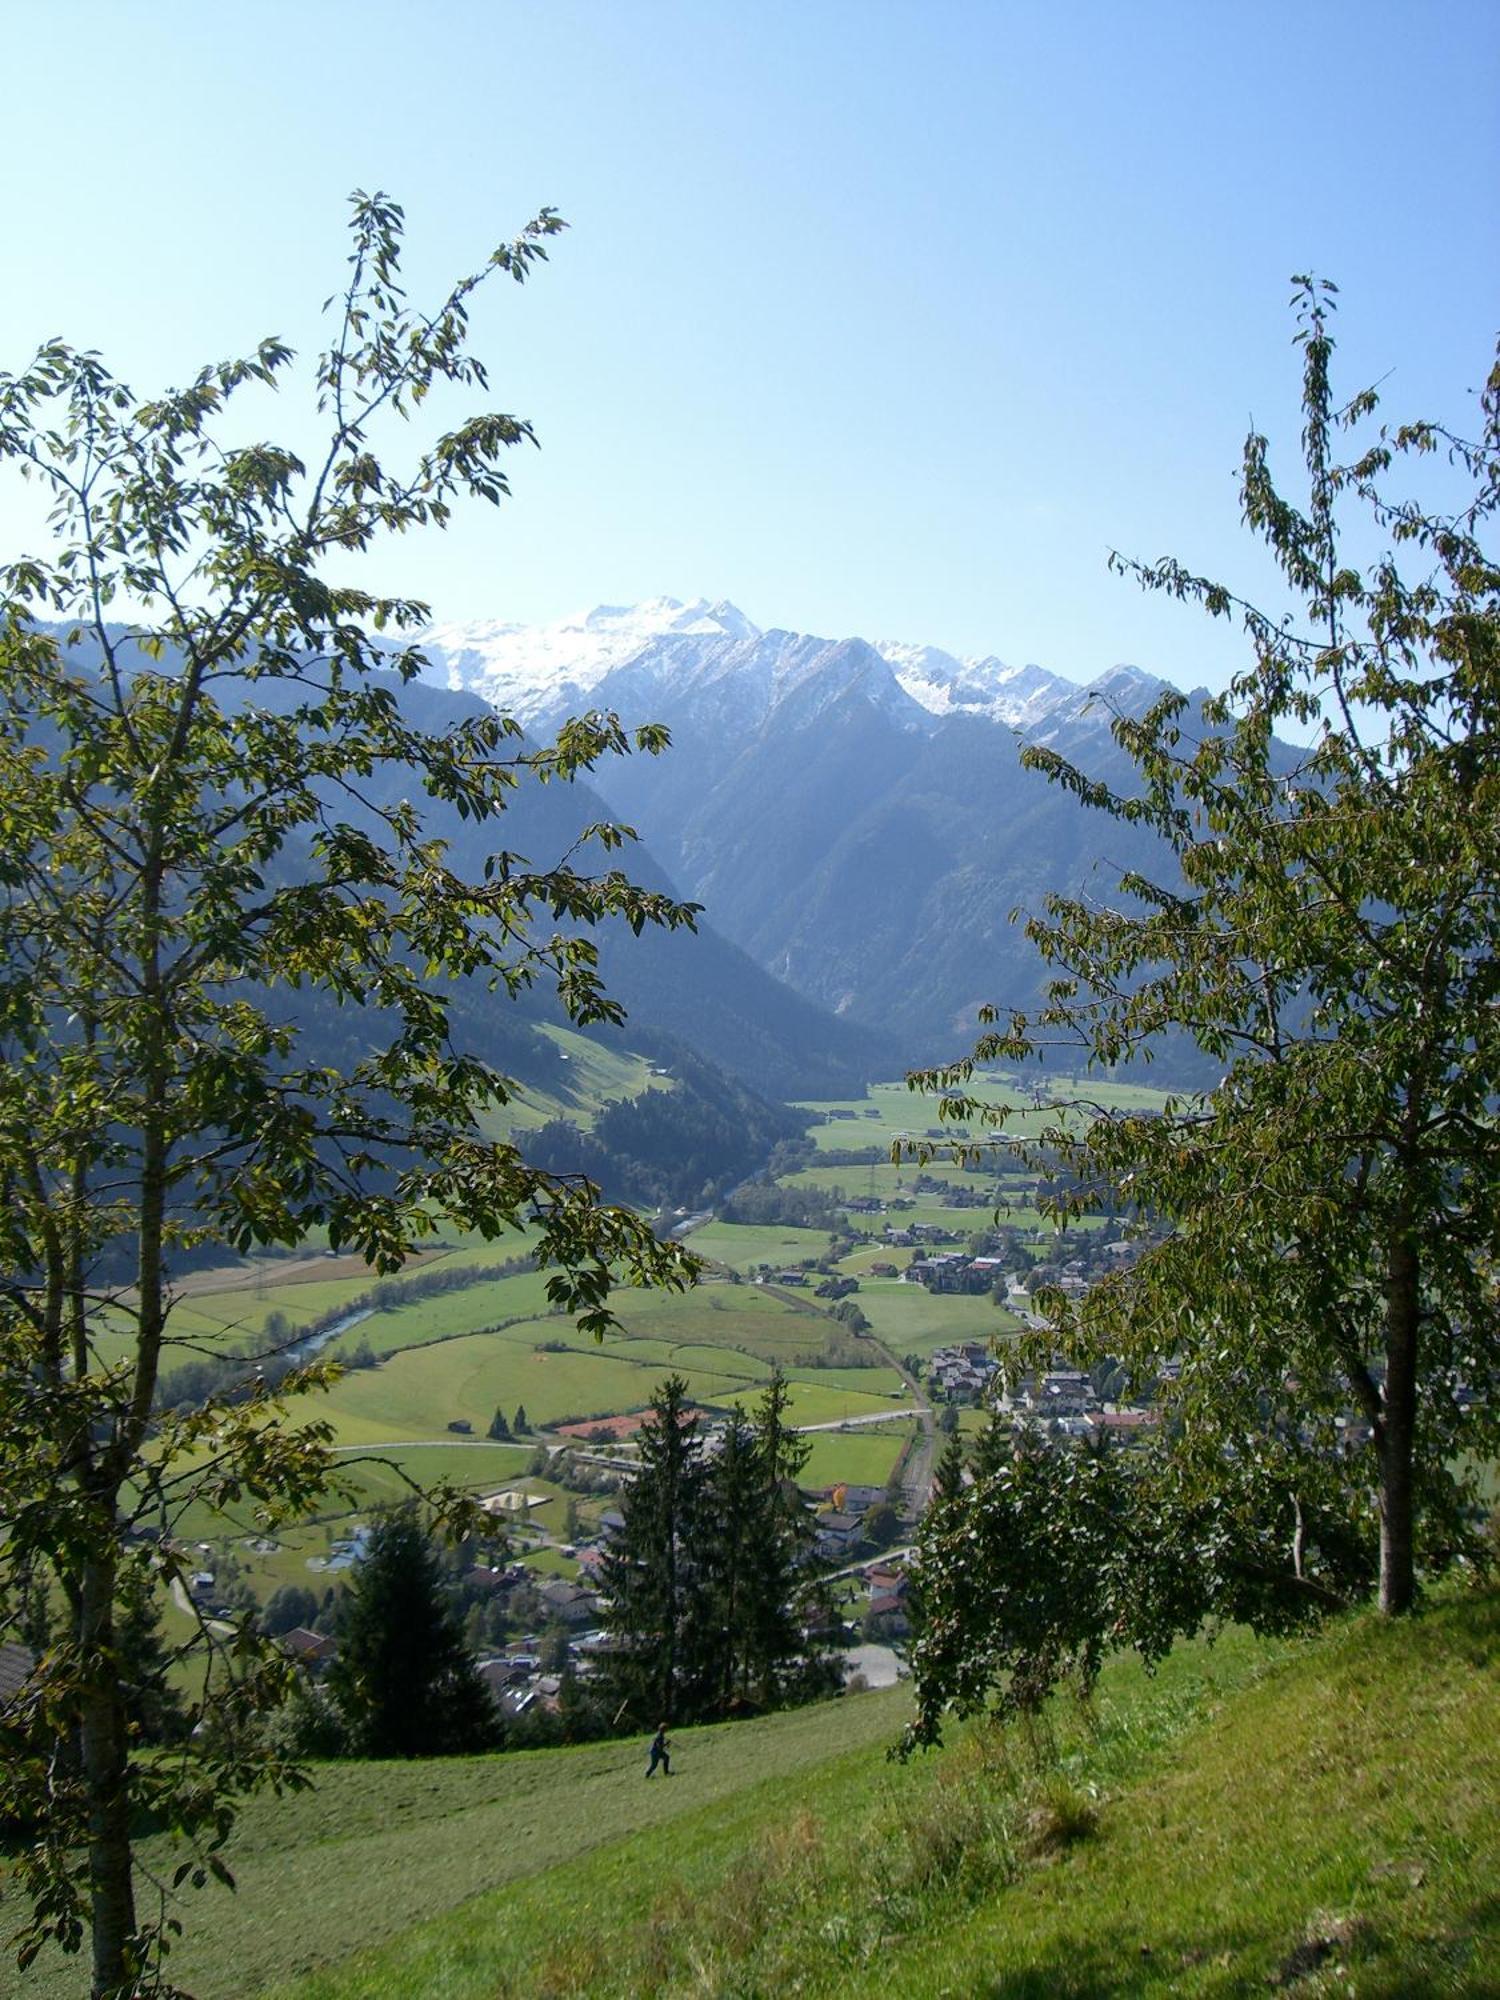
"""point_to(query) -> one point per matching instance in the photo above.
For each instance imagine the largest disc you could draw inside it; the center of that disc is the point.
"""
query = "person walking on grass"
(659, 1752)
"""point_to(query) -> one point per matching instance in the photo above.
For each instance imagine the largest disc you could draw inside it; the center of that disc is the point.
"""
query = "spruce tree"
(794, 1653)
(770, 1614)
(404, 1678)
(153, 1707)
(653, 1574)
(741, 1569)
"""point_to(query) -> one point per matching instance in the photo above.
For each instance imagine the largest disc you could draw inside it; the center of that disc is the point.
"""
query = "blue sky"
(881, 319)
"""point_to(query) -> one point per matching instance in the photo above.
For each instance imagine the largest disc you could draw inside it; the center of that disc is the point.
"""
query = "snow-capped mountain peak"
(943, 683)
(662, 653)
(532, 671)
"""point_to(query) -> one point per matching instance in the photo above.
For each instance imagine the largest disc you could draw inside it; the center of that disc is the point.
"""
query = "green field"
(418, 1393)
(1321, 1818)
(864, 1457)
(743, 1246)
(810, 1403)
(468, 1311)
(911, 1320)
(595, 1076)
(377, 1848)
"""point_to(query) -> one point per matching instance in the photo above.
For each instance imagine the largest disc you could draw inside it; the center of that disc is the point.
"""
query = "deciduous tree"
(1322, 1308)
(212, 831)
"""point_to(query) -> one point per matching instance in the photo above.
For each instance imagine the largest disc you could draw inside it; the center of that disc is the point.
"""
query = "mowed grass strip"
(377, 1848)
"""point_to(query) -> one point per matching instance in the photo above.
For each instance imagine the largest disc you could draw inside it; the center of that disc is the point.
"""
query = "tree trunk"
(105, 1769)
(1398, 1429)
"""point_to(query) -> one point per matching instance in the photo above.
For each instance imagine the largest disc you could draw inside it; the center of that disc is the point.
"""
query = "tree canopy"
(216, 828)
(1320, 1316)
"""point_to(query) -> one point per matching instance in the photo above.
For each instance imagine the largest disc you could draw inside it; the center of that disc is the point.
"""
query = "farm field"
(742, 1245)
(454, 1357)
(810, 1403)
(420, 1391)
(472, 1310)
(757, 1320)
(857, 1458)
(911, 1320)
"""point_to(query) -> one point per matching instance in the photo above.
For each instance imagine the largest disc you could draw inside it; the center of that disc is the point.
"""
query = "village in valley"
(890, 1302)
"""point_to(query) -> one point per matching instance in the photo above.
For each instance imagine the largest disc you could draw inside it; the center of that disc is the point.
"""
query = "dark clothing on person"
(659, 1754)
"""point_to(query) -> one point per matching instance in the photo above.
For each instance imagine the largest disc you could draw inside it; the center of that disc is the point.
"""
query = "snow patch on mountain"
(531, 671)
(945, 684)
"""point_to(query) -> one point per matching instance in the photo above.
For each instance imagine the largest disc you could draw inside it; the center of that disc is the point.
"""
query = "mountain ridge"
(851, 814)
(538, 672)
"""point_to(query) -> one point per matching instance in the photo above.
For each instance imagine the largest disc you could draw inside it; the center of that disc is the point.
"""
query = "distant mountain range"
(853, 815)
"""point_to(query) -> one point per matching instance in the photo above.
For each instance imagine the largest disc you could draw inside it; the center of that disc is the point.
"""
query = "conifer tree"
(652, 1572)
(782, 1632)
(404, 1678)
(715, 1600)
(744, 1572)
(948, 1479)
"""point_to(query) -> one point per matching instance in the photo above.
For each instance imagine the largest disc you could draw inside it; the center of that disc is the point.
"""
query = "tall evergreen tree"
(741, 1568)
(153, 1706)
(652, 1572)
(772, 1617)
(404, 1678)
(715, 1603)
(795, 1654)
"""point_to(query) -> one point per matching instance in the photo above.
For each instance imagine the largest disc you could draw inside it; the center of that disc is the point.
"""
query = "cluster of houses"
(962, 1374)
(1064, 1402)
(955, 1272)
(1060, 1401)
(913, 1234)
(841, 1533)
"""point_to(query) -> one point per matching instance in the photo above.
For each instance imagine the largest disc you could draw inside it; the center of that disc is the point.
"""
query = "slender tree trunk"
(105, 1769)
(1398, 1430)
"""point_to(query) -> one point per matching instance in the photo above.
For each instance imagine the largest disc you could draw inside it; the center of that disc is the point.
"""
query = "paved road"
(853, 1423)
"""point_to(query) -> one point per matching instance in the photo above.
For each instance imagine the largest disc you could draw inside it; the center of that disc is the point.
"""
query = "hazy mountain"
(682, 987)
(853, 815)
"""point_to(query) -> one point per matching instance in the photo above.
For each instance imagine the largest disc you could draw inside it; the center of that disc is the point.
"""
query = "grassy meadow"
(1322, 1814)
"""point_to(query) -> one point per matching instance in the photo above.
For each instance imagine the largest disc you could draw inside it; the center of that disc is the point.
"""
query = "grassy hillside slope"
(1321, 1817)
